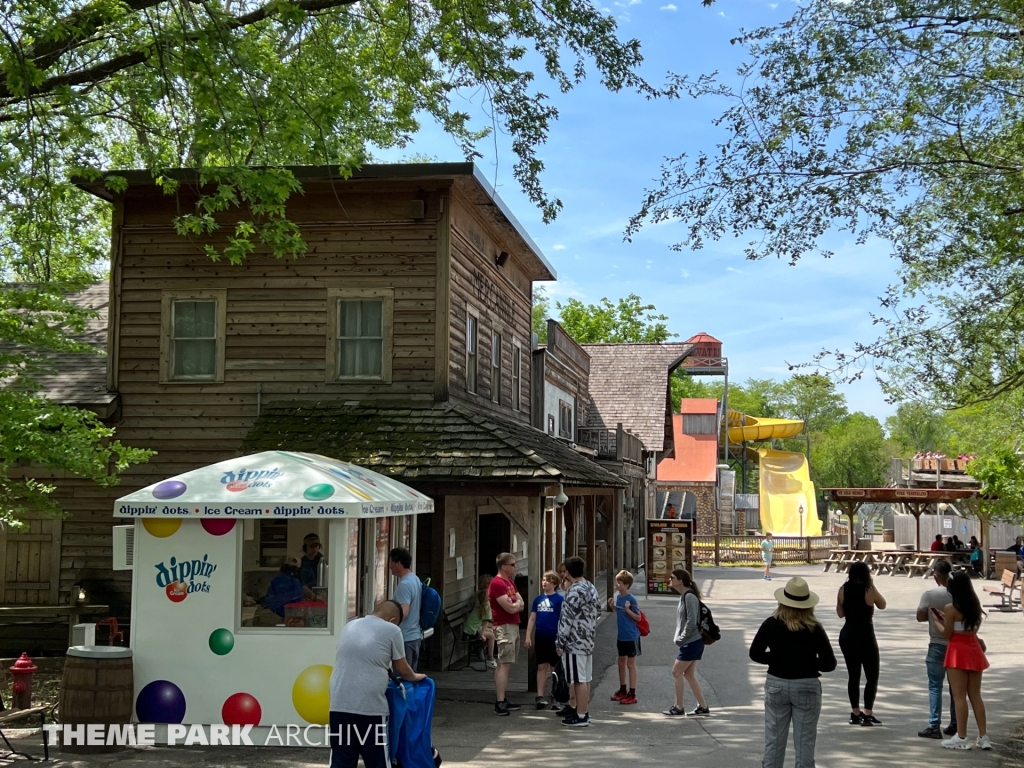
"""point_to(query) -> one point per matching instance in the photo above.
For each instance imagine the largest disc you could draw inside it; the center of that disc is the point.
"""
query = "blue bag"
(412, 711)
(430, 606)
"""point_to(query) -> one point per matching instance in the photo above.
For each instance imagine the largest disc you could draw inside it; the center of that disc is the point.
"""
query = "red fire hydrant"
(22, 672)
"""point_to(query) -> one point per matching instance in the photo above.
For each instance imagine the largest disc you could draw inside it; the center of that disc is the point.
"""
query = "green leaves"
(900, 122)
(630, 320)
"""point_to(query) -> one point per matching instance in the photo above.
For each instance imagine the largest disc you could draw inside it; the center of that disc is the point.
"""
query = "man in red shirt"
(937, 544)
(506, 605)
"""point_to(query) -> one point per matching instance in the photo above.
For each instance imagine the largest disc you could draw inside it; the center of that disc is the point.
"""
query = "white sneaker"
(492, 664)
(956, 743)
(983, 743)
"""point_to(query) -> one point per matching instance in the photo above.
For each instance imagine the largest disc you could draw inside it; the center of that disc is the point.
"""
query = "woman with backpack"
(691, 644)
(856, 603)
(796, 649)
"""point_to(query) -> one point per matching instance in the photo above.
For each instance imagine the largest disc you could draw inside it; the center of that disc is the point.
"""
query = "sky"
(606, 148)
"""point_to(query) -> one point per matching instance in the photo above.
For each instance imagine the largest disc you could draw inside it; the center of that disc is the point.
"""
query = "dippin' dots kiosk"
(206, 546)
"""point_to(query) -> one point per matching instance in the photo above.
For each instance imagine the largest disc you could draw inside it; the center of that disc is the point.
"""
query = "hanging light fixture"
(561, 499)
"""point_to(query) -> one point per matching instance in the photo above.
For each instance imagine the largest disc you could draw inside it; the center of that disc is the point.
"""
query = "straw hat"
(796, 594)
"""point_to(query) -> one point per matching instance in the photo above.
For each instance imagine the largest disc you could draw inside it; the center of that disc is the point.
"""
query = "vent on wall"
(417, 209)
(124, 547)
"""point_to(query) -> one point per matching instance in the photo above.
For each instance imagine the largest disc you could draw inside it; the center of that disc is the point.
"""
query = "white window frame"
(472, 350)
(167, 300)
(334, 298)
(497, 369)
(563, 406)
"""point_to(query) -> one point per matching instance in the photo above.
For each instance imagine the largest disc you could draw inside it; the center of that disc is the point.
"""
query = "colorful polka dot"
(241, 709)
(222, 641)
(160, 702)
(311, 694)
(318, 492)
(169, 489)
(216, 527)
(161, 527)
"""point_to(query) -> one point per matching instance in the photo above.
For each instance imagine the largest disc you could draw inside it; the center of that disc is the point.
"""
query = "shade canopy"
(275, 484)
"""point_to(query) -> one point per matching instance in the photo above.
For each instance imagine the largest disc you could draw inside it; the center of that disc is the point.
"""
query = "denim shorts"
(692, 651)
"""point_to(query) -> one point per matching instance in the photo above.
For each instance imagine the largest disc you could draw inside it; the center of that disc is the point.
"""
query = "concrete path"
(469, 735)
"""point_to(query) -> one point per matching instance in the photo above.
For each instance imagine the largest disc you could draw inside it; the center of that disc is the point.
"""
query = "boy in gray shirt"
(367, 648)
(937, 598)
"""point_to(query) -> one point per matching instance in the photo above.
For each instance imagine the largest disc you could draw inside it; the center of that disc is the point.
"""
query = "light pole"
(801, 512)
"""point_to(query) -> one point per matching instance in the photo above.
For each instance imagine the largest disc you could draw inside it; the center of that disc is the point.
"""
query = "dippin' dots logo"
(180, 578)
(245, 478)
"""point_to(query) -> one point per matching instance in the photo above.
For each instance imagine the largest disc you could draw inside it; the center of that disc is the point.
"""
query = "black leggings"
(860, 650)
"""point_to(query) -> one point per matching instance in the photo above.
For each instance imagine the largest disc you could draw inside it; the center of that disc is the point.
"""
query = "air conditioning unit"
(124, 547)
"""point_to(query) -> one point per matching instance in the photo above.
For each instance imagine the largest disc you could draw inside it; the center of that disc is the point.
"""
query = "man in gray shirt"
(408, 595)
(938, 599)
(367, 648)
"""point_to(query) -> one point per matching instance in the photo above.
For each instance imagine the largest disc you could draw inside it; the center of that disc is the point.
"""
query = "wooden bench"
(456, 616)
(1008, 585)
(17, 714)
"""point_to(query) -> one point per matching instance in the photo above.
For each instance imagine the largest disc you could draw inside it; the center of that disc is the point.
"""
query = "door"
(30, 571)
(494, 536)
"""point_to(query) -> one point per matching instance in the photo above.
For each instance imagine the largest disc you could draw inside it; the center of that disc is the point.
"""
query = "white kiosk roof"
(275, 484)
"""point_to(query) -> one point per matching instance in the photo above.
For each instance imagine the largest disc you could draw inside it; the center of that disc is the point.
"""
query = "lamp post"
(800, 510)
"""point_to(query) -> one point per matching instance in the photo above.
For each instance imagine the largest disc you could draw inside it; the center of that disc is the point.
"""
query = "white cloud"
(722, 14)
(773, 6)
(649, 263)
(683, 273)
(558, 247)
(733, 269)
(670, 7)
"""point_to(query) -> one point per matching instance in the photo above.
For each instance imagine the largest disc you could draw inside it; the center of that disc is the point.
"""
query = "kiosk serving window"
(285, 575)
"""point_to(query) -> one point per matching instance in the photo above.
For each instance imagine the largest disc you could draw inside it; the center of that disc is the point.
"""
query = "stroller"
(412, 712)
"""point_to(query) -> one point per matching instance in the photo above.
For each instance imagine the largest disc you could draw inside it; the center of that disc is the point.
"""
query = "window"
(699, 424)
(192, 336)
(564, 419)
(360, 338)
(551, 424)
(471, 353)
(517, 373)
(360, 327)
(496, 368)
(352, 573)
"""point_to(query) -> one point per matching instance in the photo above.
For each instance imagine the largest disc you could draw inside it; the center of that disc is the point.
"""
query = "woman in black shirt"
(796, 649)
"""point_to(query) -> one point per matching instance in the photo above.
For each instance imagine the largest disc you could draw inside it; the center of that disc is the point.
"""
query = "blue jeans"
(936, 677)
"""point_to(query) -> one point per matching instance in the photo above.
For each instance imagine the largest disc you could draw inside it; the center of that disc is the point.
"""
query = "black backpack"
(708, 629)
(560, 682)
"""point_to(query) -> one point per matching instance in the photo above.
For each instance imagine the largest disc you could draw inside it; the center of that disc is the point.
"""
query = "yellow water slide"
(788, 506)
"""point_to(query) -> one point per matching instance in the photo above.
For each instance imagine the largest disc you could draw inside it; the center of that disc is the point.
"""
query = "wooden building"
(400, 340)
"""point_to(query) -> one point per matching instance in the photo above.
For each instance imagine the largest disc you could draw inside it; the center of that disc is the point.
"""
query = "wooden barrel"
(98, 686)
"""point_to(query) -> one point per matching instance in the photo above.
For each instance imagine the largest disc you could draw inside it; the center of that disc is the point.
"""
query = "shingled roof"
(439, 443)
(629, 384)
(81, 378)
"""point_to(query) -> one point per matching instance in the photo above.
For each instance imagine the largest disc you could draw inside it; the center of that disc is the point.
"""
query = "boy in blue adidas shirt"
(544, 616)
(627, 611)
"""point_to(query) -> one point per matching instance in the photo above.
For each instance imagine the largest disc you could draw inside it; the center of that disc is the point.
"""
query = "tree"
(898, 121)
(813, 400)
(686, 386)
(539, 313)
(236, 92)
(36, 432)
(628, 321)
(917, 427)
(1001, 473)
(852, 453)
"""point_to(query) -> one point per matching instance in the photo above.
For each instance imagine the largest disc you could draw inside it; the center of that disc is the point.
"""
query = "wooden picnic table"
(844, 558)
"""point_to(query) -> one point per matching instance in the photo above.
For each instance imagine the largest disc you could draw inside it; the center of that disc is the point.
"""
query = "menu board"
(669, 547)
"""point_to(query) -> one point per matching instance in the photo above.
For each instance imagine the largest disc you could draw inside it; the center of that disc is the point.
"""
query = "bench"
(17, 714)
(455, 616)
(1008, 585)
(922, 563)
(837, 557)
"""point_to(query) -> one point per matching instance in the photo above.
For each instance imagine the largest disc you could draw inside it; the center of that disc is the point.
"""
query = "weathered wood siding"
(358, 236)
(501, 297)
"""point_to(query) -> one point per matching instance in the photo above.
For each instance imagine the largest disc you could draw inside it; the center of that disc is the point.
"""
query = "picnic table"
(893, 561)
(843, 558)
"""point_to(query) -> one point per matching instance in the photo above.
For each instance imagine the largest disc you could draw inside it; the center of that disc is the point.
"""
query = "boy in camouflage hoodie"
(577, 628)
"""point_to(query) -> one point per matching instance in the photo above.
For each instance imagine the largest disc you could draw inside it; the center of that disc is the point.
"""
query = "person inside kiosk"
(311, 558)
(286, 588)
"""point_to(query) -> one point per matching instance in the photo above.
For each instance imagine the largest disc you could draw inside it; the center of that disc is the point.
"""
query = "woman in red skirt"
(965, 658)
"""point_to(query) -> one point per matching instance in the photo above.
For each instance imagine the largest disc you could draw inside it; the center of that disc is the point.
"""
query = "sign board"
(669, 547)
(947, 523)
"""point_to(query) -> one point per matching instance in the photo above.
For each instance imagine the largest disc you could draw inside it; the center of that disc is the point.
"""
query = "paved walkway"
(469, 735)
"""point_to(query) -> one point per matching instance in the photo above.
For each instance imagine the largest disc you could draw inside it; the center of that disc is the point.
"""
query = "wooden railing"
(613, 444)
(746, 550)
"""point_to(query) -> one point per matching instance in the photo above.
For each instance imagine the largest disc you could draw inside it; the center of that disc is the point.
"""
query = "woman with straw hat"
(796, 649)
